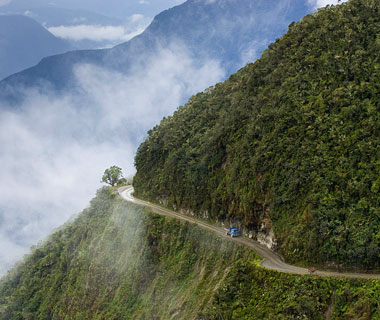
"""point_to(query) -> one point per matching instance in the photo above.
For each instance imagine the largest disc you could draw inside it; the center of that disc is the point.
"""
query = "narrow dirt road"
(271, 260)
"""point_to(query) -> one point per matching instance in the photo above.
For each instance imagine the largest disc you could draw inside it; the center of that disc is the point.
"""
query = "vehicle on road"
(312, 270)
(233, 232)
(270, 259)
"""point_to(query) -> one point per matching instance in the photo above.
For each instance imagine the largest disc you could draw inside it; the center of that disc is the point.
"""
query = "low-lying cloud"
(134, 25)
(54, 149)
(94, 33)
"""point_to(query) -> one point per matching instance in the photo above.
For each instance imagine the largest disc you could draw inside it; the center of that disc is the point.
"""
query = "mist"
(102, 35)
(323, 3)
(54, 150)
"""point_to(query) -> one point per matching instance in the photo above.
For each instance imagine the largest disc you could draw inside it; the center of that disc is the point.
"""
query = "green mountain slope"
(118, 261)
(290, 142)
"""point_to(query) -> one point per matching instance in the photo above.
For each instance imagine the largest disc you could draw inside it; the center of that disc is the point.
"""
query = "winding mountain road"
(271, 260)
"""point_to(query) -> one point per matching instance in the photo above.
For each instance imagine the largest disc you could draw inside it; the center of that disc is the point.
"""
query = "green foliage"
(250, 291)
(118, 261)
(293, 137)
(113, 176)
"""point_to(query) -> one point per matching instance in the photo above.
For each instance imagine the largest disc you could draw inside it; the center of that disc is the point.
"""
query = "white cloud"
(250, 52)
(9, 252)
(134, 25)
(51, 167)
(54, 150)
(94, 33)
(323, 3)
(141, 100)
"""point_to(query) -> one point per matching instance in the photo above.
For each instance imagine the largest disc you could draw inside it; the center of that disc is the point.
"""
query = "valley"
(255, 198)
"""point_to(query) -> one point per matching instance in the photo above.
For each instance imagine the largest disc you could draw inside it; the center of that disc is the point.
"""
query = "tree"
(113, 176)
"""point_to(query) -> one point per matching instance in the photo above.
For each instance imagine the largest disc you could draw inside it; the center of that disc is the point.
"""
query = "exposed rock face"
(266, 235)
(267, 238)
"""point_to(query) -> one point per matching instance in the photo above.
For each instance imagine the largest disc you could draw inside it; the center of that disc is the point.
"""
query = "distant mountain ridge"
(223, 31)
(61, 20)
(24, 42)
(50, 14)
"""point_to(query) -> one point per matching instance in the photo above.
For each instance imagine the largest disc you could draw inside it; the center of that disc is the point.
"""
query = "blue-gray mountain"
(51, 14)
(101, 12)
(230, 32)
(23, 43)
(60, 14)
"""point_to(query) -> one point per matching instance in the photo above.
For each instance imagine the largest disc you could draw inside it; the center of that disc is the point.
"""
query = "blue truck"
(233, 232)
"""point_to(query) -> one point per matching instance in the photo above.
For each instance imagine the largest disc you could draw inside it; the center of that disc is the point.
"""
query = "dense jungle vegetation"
(119, 261)
(292, 138)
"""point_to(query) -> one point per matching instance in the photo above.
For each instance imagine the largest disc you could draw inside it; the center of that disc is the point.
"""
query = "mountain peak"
(225, 31)
(24, 42)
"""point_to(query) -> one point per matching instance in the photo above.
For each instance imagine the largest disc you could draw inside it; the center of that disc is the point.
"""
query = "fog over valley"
(55, 145)
(55, 149)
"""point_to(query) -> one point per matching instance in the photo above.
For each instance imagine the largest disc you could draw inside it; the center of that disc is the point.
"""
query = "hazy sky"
(53, 153)
(121, 8)
(112, 8)
(126, 8)
(128, 18)
(133, 17)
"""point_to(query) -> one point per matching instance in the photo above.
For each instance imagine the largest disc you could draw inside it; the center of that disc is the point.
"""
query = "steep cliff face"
(291, 138)
(119, 261)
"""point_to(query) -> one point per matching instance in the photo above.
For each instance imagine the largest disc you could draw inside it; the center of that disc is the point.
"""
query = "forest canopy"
(293, 137)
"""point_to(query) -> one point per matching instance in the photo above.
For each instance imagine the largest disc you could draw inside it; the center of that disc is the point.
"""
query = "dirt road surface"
(271, 260)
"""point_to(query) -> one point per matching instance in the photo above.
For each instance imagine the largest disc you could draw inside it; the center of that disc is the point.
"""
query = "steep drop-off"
(288, 144)
(118, 261)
